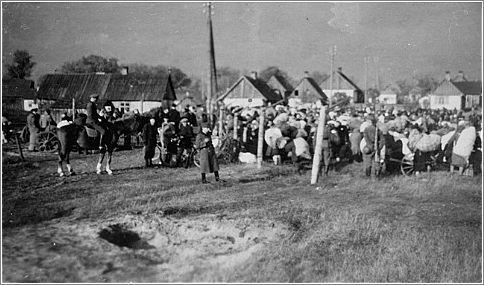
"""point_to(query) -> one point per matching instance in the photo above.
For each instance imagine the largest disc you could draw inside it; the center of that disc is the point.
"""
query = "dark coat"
(208, 158)
(92, 115)
(149, 140)
(186, 136)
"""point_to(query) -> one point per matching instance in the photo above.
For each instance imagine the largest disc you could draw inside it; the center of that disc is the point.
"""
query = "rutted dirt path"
(151, 248)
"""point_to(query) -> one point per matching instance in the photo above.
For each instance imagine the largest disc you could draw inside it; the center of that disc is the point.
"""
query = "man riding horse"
(93, 119)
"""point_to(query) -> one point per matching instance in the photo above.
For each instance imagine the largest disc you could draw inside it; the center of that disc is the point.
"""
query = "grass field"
(261, 225)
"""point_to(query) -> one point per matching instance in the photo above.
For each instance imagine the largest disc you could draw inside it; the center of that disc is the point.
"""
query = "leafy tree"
(91, 64)
(226, 77)
(143, 71)
(22, 65)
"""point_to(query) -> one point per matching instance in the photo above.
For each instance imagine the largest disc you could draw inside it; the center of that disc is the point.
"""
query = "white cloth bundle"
(445, 139)
(465, 143)
(271, 135)
(302, 147)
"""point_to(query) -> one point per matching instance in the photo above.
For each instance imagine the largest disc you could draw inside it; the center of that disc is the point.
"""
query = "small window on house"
(250, 100)
(296, 93)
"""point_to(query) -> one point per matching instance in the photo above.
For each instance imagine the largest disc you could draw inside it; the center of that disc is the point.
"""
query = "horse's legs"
(100, 161)
(69, 167)
(108, 163)
(59, 166)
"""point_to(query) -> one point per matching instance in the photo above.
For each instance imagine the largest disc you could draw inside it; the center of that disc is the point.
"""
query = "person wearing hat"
(93, 119)
(208, 158)
(33, 124)
(186, 135)
(149, 141)
(368, 150)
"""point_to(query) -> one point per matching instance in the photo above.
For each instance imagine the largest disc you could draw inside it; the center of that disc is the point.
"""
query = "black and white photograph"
(241, 142)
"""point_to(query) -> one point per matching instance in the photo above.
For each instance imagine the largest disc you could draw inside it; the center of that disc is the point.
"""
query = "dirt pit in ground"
(136, 248)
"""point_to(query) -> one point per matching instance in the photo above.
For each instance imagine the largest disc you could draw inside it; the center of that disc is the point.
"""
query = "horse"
(77, 133)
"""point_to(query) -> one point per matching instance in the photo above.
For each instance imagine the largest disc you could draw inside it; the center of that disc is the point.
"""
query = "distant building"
(249, 91)
(342, 84)
(307, 92)
(188, 100)
(19, 94)
(280, 85)
(18, 97)
(461, 94)
(389, 95)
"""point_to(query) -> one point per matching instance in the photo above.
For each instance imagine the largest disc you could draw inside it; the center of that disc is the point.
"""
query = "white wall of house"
(388, 98)
(448, 102)
(348, 92)
(129, 106)
(30, 104)
(473, 100)
(243, 102)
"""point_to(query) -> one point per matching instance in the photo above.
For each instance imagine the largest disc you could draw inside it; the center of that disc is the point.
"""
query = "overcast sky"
(408, 38)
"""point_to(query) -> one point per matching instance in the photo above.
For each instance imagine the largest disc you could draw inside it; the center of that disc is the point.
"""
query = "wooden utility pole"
(333, 52)
(260, 141)
(319, 145)
(376, 59)
(212, 82)
(367, 59)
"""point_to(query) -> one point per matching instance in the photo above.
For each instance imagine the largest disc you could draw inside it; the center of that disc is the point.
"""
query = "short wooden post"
(235, 127)
(260, 141)
(19, 146)
(319, 145)
(73, 108)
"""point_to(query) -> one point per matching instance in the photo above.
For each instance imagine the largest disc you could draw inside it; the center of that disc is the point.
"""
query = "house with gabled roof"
(249, 91)
(307, 92)
(124, 91)
(389, 94)
(342, 84)
(278, 83)
(458, 95)
(18, 97)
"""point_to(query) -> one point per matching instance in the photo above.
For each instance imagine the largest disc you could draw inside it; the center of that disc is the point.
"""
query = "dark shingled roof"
(469, 87)
(114, 87)
(264, 89)
(283, 82)
(20, 88)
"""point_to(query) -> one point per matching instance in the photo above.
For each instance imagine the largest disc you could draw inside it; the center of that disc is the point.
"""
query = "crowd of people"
(374, 137)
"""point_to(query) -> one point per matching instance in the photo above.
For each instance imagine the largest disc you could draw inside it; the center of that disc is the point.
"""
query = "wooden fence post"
(19, 147)
(73, 108)
(319, 145)
(235, 126)
(221, 122)
(260, 141)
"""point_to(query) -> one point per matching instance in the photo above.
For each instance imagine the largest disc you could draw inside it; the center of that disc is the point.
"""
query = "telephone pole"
(367, 60)
(333, 53)
(212, 80)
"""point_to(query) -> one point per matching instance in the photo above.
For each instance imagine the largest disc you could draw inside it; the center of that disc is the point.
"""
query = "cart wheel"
(25, 135)
(406, 166)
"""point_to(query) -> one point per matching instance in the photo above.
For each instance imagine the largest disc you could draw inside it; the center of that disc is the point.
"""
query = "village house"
(18, 98)
(342, 84)
(457, 94)
(280, 85)
(389, 94)
(125, 92)
(249, 91)
(307, 92)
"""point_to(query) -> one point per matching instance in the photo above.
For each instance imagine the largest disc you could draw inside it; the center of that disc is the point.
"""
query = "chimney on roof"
(306, 74)
(460, 77)
(253, 74)
(447, 76)
(124, 70)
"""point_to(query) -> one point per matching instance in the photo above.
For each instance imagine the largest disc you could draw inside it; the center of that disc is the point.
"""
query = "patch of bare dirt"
(135, 248)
